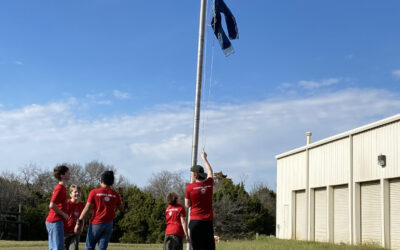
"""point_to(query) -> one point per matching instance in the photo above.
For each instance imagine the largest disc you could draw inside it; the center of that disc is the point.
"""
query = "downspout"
(308, 187)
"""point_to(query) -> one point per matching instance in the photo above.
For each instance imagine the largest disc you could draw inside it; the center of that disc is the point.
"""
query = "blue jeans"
(216, 23)
(100, 234)
(56, 235)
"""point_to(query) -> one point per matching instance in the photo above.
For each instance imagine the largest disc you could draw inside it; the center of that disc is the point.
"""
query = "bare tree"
(160, 184)
(122, 182)
(94, 169)
(29, 174)
(78, 175)
(45, 182)
(11, 191)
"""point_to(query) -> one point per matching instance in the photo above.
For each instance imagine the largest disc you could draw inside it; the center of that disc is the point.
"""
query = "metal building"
(345, 188)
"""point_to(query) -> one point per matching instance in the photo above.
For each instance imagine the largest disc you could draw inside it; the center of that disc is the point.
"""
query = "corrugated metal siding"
(291, 175)
(330, 163)
(341, 214)
(394, 213)
(368, 145)
(301, 215)
(371, 226)
(320, 214)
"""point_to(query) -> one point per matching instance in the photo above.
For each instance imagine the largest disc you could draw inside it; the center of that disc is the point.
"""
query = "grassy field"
(261, 244)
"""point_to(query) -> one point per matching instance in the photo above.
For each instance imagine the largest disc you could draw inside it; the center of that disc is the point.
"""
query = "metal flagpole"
(199, 79)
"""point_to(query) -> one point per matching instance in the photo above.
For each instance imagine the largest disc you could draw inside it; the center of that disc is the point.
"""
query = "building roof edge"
(358, 130)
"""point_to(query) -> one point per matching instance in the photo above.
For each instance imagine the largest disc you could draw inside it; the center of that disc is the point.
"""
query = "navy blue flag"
(220, 7)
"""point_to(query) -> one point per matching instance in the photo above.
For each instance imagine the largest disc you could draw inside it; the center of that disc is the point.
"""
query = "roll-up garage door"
(395, 213)
(301, 215)
(320, 214)
(371, 229)
(341, 214)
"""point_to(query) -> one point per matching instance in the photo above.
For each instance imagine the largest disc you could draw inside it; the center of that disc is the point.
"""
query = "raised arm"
(210, 173)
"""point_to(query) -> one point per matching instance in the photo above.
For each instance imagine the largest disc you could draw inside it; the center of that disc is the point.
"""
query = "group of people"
(66, 217)
(65, 220)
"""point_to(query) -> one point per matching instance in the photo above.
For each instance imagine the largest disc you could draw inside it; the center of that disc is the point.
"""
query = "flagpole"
(199, 79)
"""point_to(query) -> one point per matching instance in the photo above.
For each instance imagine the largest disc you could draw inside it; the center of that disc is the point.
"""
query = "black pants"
(173, 242)
(202, 235)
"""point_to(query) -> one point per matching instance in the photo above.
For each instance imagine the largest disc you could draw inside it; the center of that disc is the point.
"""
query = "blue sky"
(114, 81)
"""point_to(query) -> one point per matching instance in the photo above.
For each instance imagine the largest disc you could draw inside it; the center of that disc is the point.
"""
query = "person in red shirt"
(102, 201)
(58, 209)
(75, 207)
(198, 198)
(175, 218)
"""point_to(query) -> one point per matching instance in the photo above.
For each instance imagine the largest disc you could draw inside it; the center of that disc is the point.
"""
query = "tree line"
(237, 213)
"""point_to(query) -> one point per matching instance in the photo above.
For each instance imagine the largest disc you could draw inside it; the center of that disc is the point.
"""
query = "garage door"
(301, 216)
(395, 214)
(320, 213)
(341, 214)
(371, 228)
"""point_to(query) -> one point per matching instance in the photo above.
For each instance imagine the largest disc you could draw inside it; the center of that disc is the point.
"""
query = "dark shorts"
(202, 235)
(71, 241)
(173, 242)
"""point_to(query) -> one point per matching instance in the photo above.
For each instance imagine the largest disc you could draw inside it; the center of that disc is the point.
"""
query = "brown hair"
(74, 187)
(199, 177)
(60, 170)
(172, 198)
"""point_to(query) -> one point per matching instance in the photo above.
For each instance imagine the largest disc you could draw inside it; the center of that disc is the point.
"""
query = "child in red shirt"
(75, 207)
(58, 209)
(102, 201)
(175, 218)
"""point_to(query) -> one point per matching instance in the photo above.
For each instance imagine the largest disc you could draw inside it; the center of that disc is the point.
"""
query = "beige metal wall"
(351, 159)
(368, 145)
(291, 176)
(330, 163)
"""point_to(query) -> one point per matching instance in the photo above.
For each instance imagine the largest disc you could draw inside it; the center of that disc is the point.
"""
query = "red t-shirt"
(104, 201)
(200, 195)
(74, 211)
(173, 215)
(59, 197)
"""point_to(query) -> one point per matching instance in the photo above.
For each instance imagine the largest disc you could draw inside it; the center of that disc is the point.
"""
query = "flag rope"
(206, 98)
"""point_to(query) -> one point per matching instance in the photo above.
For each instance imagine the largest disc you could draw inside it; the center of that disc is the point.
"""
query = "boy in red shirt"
(58, 209)
(102, 201)
(199, 195)
(175, 218)
(75, 207)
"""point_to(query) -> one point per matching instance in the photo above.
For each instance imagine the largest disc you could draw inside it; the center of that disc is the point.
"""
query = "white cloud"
(18, 63)
(98, 98)
(121, 95)
(241, 140)
(318, 84)
(285, 85)
(396, 73)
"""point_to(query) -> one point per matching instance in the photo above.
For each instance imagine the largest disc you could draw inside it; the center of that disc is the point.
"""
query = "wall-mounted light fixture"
(382, 160)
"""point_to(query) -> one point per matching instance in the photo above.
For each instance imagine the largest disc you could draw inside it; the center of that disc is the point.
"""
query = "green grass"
(263, 243)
